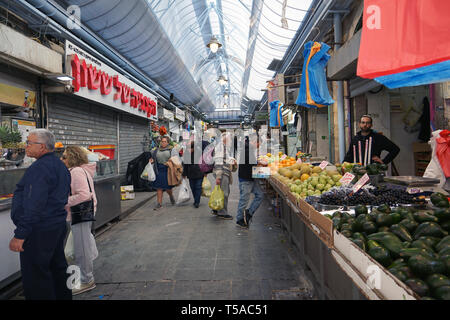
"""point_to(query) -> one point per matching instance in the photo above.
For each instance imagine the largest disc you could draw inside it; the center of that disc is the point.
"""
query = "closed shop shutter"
(133, 139)
(76, 122)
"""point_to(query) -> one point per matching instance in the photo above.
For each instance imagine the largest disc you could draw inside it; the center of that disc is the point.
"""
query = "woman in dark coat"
(193, 173)
(159, 158)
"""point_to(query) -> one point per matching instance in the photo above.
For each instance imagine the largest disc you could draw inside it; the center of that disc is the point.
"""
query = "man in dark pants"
(191, 170)
(40, 219)
(379, 143)
(248, 185)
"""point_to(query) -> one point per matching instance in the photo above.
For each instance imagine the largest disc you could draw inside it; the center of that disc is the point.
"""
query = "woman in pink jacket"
(82, 190)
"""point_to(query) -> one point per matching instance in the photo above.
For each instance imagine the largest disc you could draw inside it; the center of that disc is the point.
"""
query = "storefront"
(18, 108)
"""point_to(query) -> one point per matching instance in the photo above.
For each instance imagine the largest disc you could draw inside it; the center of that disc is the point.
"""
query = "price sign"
(299, 161)
(414, 190)
(323, 165)
(361, 182)
(347, 178)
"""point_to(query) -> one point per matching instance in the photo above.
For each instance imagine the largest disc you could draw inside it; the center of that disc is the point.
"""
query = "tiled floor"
(181, 252)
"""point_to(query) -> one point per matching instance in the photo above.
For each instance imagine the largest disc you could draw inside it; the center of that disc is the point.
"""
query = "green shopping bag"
(217, 199)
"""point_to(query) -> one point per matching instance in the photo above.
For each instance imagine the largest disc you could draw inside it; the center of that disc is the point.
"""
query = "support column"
(340, 89)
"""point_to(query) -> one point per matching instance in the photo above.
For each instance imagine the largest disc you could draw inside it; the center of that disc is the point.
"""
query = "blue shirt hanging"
(276, 113)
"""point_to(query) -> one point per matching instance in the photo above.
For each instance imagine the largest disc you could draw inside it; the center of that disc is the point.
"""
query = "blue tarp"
(439, 72)
(318, 87)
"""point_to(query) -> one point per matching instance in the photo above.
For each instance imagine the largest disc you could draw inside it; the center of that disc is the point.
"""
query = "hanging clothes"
(313, 92)
(276, 114)
(425, 126)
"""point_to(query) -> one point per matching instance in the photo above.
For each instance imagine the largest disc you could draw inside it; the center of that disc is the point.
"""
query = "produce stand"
(340, 268)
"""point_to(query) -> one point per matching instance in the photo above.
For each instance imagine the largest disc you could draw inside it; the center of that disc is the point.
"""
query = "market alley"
(186, 253)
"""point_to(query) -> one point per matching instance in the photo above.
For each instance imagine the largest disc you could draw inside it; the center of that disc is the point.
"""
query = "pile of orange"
(289, 161)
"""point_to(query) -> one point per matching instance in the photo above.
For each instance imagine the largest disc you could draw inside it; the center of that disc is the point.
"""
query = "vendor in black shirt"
(379, 143)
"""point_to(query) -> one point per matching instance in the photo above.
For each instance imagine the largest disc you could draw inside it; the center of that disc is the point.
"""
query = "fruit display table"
(340, 269)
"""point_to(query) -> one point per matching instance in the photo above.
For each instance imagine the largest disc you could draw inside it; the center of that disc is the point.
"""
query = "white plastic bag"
(68, 249)
(148, 173)
(183, 195)
(434, 169)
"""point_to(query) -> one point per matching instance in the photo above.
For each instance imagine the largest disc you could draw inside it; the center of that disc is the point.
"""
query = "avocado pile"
(413, 245)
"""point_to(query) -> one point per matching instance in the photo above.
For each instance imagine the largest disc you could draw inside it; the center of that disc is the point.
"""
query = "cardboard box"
(321, 225)
(127, 195)
(375, 281)
(421, 147)
(129, 188)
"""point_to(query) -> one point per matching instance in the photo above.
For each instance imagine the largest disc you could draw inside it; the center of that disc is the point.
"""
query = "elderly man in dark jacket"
(40, 219)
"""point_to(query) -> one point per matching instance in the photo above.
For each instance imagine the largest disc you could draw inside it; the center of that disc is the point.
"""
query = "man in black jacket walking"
(247, 184)
(193, 173)
(379, 143)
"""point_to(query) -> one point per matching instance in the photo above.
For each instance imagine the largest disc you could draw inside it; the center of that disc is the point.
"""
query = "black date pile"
(386, 194)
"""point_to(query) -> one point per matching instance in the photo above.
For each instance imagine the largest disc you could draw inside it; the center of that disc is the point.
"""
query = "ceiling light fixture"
(222, 80)
(214, 44)
(225, 95)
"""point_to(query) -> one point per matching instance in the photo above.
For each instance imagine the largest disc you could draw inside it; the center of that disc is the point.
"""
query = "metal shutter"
(76, 122)
(133, 139)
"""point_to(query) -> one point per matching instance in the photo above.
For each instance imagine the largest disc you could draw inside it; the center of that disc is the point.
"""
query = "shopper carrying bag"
(148, 173)
(81, 208)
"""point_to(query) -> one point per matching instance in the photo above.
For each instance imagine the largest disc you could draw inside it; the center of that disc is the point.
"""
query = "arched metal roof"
(167, 40)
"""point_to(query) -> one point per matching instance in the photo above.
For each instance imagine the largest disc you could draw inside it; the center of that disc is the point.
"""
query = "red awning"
(401, 35)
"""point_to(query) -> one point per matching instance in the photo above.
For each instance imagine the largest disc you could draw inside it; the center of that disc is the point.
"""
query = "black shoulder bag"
(83, 212)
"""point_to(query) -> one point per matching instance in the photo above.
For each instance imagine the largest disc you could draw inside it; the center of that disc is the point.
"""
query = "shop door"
(76, 122)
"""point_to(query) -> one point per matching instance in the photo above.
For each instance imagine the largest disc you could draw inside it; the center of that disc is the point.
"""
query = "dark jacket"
(379, 143)
(134, 170)
(40, 196)
(192, 170)
(247, 164)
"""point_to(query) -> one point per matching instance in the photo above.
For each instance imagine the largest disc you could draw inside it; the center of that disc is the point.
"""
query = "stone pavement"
(181, 252)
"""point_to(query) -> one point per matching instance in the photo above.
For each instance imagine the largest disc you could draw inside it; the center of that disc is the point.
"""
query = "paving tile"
(186, 253)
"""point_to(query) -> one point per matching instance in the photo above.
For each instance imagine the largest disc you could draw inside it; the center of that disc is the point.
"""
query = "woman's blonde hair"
(75, 156)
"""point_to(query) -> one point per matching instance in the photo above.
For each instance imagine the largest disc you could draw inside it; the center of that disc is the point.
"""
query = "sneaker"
(225, 216)
(172, 200)
(158, 206)
(242, 224)
(245, 216)
(84, 287)
(248, 217)
(214, 212)
(196, 205)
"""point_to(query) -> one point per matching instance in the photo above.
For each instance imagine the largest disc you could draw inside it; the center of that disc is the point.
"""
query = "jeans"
(43, 265)
(245, 189)
(196, 187)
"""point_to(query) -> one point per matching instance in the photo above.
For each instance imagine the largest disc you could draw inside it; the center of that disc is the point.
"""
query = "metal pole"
(340, 90)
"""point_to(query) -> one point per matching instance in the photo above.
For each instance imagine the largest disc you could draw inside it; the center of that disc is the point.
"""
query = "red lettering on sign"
(84, 74)
(118, 85)
(125, 94)
(106, 84)
(75, 64)
(90, 77)
(94, 78)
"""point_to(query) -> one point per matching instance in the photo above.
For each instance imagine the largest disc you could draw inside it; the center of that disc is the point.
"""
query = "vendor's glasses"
(31, 142)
